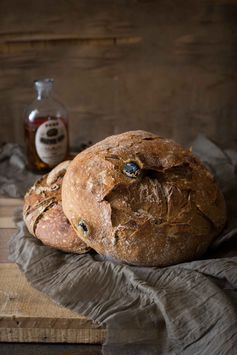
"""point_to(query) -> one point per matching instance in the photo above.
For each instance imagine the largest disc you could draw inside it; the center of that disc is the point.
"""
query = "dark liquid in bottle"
(35, 162)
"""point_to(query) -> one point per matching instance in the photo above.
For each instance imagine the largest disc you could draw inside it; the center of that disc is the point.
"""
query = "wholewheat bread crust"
(44, 216)
(169, 213)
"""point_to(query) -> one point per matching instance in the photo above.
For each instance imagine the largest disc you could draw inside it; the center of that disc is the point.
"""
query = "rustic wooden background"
(167, 66)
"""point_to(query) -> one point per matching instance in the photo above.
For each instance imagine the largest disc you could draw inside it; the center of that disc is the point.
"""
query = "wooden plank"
(7, 210)
(86, 20)
(5, 236)
(10, 202)
(26, 315)
(120, 66)
(50, 349)
(7, 222)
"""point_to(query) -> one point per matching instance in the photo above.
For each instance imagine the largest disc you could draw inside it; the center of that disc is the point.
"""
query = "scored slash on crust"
(44, 216)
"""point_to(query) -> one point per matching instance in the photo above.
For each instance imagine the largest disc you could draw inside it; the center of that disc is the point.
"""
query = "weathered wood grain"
(7, 222)
(164, 66)
(7, 210)
(49, 349)
(10, 202)
(5, 236)
(26, 315)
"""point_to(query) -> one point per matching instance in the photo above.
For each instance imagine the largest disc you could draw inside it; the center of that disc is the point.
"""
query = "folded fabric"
(15, 179)
(189, 308)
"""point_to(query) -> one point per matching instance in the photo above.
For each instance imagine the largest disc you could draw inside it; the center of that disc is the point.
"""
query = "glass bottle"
(46, 129)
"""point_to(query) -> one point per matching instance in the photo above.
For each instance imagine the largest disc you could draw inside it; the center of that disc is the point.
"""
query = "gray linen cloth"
(189, 308)
(15, 179)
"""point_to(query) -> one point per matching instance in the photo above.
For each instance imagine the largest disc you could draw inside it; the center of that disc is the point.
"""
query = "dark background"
(168, 66)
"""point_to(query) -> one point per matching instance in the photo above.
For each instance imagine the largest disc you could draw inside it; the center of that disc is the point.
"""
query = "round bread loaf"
(143, 199)
(44, 216)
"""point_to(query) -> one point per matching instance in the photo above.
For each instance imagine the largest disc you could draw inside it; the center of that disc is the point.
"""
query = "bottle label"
(51, 141)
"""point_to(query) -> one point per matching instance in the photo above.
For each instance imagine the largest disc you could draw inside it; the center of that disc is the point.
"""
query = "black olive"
(131, 169)
(83, 226)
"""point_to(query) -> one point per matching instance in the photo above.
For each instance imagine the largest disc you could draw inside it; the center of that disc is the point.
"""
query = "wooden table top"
(27, 315)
